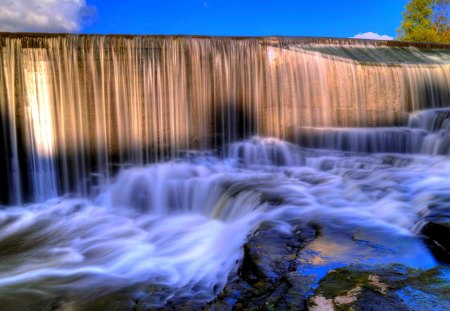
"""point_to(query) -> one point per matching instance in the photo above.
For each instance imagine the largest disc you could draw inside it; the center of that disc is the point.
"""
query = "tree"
(426, 21)
(441, 20)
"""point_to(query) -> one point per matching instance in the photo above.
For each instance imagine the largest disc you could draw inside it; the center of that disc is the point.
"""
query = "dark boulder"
(438, 234)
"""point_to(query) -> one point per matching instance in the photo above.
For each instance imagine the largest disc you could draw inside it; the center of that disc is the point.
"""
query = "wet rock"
(277, 274)
(344, 289)
(268, 278)
(390, 288)
(438, 234)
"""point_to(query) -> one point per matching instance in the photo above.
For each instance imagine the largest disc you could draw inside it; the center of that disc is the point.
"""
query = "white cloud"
(43, 15)
(372, 36)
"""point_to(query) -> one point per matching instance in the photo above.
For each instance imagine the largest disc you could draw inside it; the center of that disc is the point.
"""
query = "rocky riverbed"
(274, 276)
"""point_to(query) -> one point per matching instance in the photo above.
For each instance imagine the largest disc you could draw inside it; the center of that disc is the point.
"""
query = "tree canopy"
(426, 21)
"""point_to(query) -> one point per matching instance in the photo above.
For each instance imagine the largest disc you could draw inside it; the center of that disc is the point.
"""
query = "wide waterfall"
(135, 168)
(76, 108)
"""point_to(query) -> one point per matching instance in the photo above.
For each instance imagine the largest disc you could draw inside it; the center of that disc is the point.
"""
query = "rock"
(438, 234)
(268, 278)
(277, 274)
(390, 288)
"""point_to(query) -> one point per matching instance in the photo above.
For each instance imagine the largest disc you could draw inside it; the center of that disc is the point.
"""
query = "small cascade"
(437, 123)
(396, 140)
(431, 120)
(266, 151)
(428, 132)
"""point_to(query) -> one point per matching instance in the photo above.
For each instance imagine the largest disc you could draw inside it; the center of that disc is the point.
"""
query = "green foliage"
(441, 20)
(426, 21)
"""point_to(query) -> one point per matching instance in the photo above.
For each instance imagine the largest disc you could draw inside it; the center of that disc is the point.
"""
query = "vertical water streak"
(8, 112)
(39, 124)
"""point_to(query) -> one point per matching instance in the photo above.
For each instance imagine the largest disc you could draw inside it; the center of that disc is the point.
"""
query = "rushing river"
(176, 229)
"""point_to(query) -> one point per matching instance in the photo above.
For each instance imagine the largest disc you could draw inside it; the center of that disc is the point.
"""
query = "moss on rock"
(394, 287)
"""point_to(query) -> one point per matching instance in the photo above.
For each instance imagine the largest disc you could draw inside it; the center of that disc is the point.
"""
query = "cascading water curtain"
(76, 108)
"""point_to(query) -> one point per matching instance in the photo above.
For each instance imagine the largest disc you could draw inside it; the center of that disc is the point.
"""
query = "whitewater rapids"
(175, 231)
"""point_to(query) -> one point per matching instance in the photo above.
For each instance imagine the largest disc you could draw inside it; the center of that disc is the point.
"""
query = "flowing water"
(139, 166)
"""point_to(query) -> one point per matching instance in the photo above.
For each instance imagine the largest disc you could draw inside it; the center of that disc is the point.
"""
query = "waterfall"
(80, 107)
(137, 167)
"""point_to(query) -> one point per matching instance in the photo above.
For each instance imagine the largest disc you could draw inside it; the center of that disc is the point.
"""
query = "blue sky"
(343, 18)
